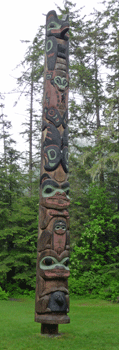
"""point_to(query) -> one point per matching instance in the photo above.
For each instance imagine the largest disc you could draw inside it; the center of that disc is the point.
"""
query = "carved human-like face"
(54, 195)
(53, 266)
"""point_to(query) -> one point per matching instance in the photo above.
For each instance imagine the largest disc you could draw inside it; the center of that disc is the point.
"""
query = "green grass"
(94, 326)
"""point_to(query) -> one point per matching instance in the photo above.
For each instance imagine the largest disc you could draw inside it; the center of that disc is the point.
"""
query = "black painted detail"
(52, 114)
(51, 187)
(61, 51)
(55, 148)
(57, 27)
(57, 302)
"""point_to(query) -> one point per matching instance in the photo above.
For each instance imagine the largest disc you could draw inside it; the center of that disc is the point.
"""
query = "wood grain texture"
(52, 297)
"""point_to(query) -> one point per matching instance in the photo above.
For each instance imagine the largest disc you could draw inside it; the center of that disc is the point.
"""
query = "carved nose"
(60, 267)
(59, 299)
(57, 302)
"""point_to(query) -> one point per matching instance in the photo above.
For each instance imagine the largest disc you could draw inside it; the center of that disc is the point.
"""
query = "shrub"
(94, 285)
(3, 295)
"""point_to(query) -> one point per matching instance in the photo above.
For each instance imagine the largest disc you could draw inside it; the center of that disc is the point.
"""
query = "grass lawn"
(94, 326)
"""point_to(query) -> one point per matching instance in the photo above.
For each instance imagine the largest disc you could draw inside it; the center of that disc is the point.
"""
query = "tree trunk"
(30, 136)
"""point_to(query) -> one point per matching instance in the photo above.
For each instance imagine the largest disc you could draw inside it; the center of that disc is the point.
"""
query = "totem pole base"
(52, 319)
(50, 329)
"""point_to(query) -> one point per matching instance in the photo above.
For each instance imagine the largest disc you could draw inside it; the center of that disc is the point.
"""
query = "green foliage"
(94, 262)
(79, 182)
(3, 294)
(14, 291)
(19, 259)
(98, 243)
(95, 285)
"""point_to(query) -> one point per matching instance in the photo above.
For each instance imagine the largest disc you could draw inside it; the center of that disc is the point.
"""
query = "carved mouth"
(61, 51)
(60, 201)
(61, 273)
(65, 33)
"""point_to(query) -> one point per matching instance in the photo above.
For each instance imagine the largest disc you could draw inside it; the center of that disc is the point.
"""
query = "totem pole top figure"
(57, 27)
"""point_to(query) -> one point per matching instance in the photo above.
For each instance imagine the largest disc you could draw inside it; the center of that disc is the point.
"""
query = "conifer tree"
(111, 15)
(30, 84)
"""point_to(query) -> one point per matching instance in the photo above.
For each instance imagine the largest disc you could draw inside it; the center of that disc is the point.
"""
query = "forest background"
(93, 161)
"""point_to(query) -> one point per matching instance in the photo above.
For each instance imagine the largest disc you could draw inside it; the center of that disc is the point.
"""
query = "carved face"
(46, 215)
(56, 89)
(54, 195)
(55, 237)
(57, 27)
(60, 82)
(53, 266)
(52, 273)
(59, 236)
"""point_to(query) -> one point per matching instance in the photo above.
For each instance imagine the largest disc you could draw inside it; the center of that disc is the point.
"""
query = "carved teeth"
(61, 66)
(61, 60)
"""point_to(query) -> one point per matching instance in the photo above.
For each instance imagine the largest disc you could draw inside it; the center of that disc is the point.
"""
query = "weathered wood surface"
(52, 319)
(52, 297)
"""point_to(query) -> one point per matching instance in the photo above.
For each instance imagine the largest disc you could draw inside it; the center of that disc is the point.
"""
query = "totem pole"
(52, 297)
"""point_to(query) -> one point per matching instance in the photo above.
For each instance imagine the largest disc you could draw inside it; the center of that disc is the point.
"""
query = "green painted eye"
(61, 82)
(66, 262)
(49, 45)
(60, 226)
(50, 263)
(63, 227)
(52, 154)
(48, 76)
(48, 190)
(53, 25)
(57, 227)
(66, 190)
(57, 80)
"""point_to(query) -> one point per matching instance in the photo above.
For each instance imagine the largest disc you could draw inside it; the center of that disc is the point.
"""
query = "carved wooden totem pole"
(52, 297)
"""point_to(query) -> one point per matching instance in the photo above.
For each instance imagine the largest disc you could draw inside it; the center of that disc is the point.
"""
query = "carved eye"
(49, 45)
(57, 227)
(51, 112)
(67, 192)
(64, 82)
(52, 25)
(48, 261)
(60, 226)
(57, 80)
(48, 190)
(66, 262)
(52, 154)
